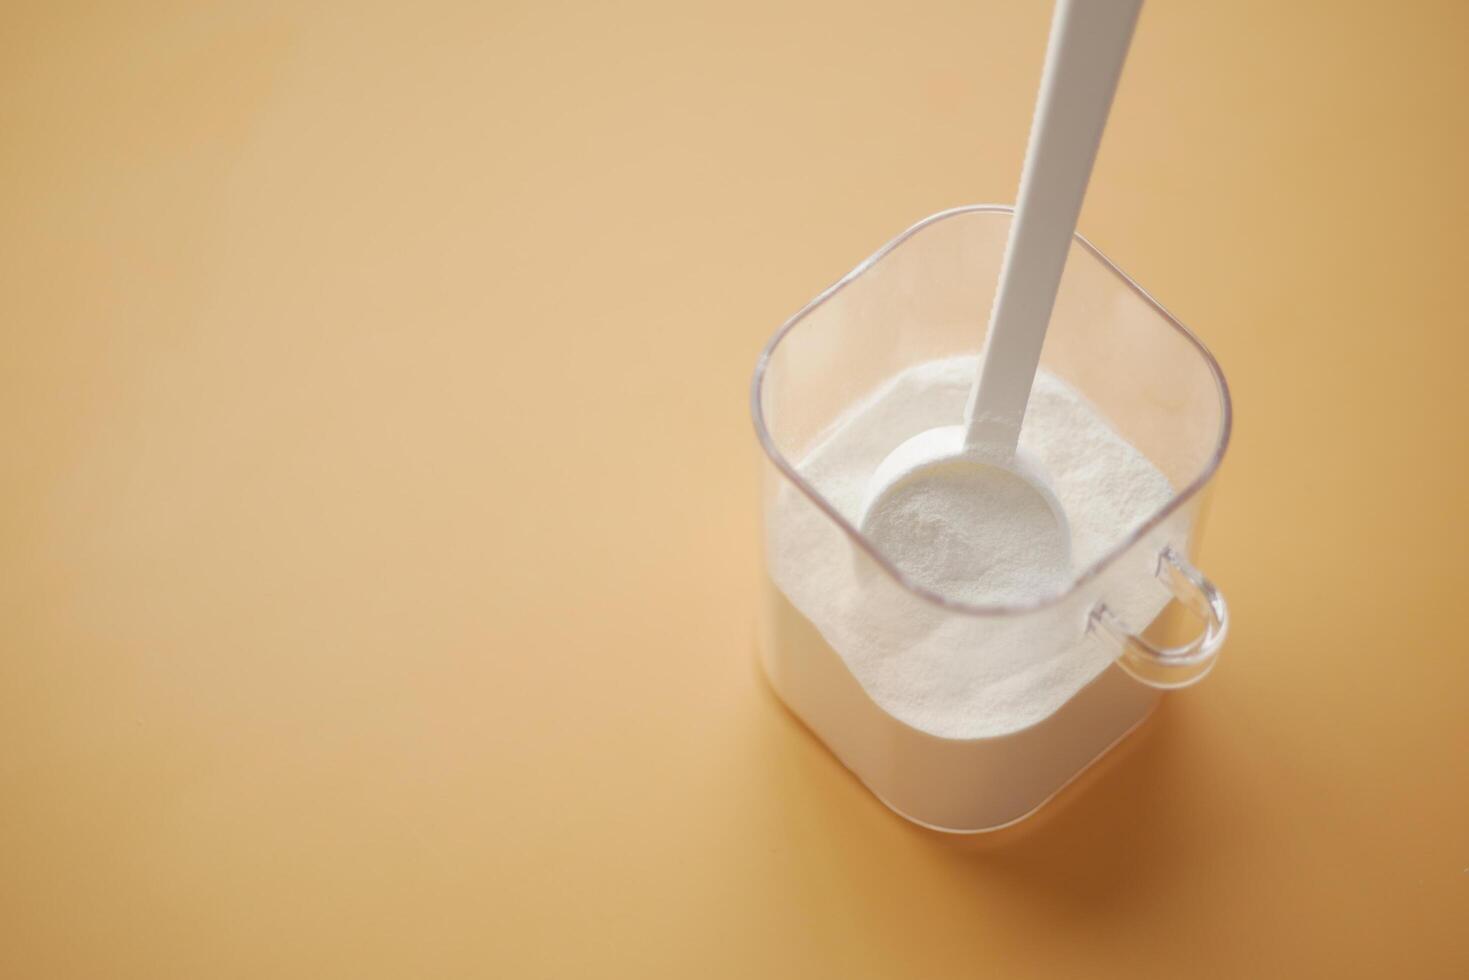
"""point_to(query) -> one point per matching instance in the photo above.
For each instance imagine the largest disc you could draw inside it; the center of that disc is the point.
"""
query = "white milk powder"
(971, 532)
(962, 676)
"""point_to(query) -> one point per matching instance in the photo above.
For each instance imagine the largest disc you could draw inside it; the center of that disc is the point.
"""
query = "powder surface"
(964, 676)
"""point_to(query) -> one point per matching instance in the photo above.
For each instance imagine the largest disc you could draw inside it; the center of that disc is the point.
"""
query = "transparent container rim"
(762, 431)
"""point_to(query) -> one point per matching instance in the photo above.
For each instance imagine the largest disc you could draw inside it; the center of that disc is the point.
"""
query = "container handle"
(1170, 667)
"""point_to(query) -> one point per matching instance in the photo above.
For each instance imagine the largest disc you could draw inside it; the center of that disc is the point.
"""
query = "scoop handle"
(1089, 40)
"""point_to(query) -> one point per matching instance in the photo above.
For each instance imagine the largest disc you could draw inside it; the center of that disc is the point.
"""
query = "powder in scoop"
(972, 532)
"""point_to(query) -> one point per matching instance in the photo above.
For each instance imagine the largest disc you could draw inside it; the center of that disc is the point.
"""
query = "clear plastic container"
(924, 296)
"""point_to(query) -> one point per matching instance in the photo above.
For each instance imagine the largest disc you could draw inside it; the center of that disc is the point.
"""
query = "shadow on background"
(1118, 827)
(1107, 846)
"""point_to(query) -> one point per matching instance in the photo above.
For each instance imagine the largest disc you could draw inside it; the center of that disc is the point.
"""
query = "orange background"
(378, 510)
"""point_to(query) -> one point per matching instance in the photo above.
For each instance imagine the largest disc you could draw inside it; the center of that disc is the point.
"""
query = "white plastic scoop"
(975, 516)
